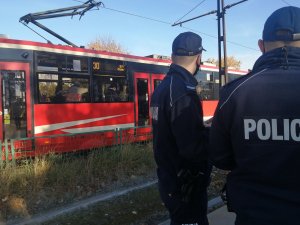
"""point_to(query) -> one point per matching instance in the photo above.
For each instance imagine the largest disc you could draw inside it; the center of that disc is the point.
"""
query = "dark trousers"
(192, 212)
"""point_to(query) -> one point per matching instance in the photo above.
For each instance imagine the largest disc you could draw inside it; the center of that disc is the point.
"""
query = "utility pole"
(221, 36)
(223, 78)
(222, 40)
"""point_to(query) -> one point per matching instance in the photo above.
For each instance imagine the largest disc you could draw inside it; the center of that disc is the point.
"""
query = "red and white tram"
(58, 91)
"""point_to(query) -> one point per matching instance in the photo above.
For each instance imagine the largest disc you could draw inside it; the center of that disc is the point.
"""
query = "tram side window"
(47, 84)
(232, 76)
(55, 88)
(110, 89)
(51, 62)
(206, 87)
(75, 89)
(59, 62)
(78, 64)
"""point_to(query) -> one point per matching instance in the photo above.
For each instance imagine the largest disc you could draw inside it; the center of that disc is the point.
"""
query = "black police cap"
(187, 44)
(283, 25)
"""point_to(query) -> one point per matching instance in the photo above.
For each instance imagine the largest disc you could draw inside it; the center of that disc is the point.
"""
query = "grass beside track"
(38, 185)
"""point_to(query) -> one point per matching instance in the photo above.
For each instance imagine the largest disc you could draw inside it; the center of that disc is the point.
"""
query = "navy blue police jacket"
(255, 133)
(180, 140)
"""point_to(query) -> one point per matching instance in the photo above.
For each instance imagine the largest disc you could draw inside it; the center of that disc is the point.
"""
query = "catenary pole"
(221, 10)
(223, 78)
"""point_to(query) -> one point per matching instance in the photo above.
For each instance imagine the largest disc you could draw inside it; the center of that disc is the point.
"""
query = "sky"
(144, 27)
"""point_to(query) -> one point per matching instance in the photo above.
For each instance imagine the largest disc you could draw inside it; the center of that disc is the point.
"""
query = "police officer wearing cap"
(180, 139)
(255, 132)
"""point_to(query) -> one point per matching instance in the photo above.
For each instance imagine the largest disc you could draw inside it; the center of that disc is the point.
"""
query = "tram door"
(13, 104)
(142, 92)
(156, 79)
(144, 86)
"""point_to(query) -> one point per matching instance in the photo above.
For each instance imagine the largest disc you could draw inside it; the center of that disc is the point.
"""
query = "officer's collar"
(285, 57)
(183, 73)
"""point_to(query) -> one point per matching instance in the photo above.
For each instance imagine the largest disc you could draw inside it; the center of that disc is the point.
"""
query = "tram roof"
(65, 49)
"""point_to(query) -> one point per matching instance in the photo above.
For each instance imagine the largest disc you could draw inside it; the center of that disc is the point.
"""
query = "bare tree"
(231, 62)
(106, 44)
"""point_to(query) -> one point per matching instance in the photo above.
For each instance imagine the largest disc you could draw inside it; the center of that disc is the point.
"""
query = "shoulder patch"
(193, 88)
(154, 112)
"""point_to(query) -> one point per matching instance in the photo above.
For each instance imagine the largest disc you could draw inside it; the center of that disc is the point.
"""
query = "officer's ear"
(261, 46)
(199, 59)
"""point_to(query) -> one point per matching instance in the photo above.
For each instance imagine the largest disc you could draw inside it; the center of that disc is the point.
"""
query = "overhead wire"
(190, 11)
(231, 42)
(169, 23)
(78, 1)
(143, 17)
(286, 2)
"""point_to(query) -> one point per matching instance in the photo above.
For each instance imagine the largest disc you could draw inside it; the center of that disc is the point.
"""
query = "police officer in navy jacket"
(256, 129)
(180, 139)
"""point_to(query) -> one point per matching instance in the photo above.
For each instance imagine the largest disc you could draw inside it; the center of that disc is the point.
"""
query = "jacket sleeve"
(221, 152)
(190, 135)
